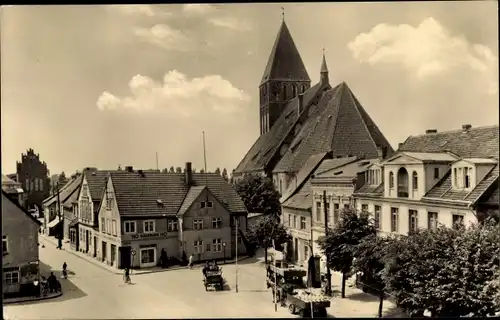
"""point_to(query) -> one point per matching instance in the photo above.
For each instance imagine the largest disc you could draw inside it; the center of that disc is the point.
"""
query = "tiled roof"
(6, 198)
(431, 156)
(191, 196)
(73, 197)
(268, 144)
(348, 170)
(480, 142)
(304, 173)
(443, 189)
(138, 195)
(70, 188)
(53, 197)
(284, 61)
(329, 164)
(374, 191)
(301, 199)
(96, 181)
(339, 124)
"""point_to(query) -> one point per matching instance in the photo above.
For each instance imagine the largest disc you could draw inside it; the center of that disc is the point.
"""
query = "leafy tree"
(259, 195)
(217, 171)
(340, 243)
(62, 178)
(449, 272)
(178, 170)
(202, 171)
(193, 170)
(171, 170)
(224, 175)
(264, 231)
(164, 170)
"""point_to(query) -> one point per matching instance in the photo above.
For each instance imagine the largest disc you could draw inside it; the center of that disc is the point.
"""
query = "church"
(298, 120)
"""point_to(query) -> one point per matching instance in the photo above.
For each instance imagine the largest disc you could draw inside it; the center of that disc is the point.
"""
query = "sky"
(102, 86)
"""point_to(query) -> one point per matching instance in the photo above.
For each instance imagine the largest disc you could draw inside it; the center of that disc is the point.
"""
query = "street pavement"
(91, 292)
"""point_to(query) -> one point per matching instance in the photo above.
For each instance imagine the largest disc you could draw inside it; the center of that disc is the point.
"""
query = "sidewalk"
(53, 241)
(26, 299)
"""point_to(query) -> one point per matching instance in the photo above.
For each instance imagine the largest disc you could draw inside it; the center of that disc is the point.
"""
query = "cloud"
(145, 10)
(427, 50)
(166, 37)
(198, 9)
(230, 23)
(178, 96)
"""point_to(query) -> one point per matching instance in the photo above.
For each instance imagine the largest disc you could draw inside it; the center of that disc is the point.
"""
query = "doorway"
(113, 254)
(296, 250)
(87, 240)
(104, 251)
(125, 257)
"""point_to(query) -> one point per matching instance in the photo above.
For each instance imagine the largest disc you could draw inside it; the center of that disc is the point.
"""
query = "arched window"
(294, 90)
(391, 180)
(415, 180)
(285, 92)
(304, 88)
(402, 183)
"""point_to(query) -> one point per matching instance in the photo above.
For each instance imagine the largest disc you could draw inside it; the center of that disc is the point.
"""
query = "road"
(91, 292)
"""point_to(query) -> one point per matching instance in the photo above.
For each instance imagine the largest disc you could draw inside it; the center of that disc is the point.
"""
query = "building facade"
(14, 190)
(20, 261)
(34, 178)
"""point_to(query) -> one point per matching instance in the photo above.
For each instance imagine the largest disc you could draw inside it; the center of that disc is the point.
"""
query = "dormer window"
(462, 177)
(373, 177)
(402, 183)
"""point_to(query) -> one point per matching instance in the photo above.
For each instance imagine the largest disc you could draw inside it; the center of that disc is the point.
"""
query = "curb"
(29, 299)
(140, 271)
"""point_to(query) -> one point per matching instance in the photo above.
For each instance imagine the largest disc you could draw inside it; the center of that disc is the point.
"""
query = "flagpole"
(275, 279)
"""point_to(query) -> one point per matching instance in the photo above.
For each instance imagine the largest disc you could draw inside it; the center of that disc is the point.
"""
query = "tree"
(259, 195)
(264, 231)
(224, 175)
(449, 272)
(164, 170)
(62, 178)
(217, 171)
(178, 170)
(193, 170)
(340, 243)
(369, 261)
(171, 170)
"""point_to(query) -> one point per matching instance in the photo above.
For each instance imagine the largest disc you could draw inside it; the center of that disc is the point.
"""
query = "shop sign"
(148, 235)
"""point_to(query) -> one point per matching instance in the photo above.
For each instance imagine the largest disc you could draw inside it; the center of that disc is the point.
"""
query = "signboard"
(133, 252)
(148, 235)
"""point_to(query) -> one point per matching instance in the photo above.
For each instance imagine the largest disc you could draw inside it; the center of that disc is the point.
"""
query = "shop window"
(130, 226)
(148, 255)
(216, 223)
(197, 224)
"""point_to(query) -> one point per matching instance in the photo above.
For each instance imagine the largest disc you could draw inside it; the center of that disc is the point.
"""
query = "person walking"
(190, 264)
(64, 271)
(126, 276)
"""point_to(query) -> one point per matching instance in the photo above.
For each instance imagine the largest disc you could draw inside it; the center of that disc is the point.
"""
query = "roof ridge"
(455, 131)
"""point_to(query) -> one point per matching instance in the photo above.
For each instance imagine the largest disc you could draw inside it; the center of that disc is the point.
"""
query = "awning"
(54, 223)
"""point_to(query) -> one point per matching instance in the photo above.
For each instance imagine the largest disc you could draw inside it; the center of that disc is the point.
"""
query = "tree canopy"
(171, 170)
(217, 170)
(265, 230)
(259, 195)
(449, 272)
(178, 170)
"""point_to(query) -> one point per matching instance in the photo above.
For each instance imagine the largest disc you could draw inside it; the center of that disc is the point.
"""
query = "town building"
(435, 178)
(34, 178)
(14, 189)
(298, 120)
(54, 207)
(20, 263)
(143, 213)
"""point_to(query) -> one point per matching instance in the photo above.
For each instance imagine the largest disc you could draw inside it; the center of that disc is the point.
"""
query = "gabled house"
(19, 248)
(145, 213)
(436, 178)
(14, 189)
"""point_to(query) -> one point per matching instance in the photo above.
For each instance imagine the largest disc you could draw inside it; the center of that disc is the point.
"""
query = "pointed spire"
(324, 79)
(282, 14)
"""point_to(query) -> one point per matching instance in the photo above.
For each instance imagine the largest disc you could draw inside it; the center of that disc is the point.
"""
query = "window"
(364, 208)
(467, 176)
(197, 224)
(109, 200)
(216, 223)
(394, 219)
(415, 180)
(217, 245)
(436, 173)
(413, 220)
(295, 222)
(281, 186)
(103, 225)
(403, 183)
(36, 184)
(302, 223)
(172, 226)
(148, 255)
(210, 204)
(290, 220)
(113, 227)
(346, 206)
(208, 247)
(391, 180)
(129, 226)
(27, 182)
(202, 204)
(432, 220)
(455, 177)
(198, 246)
(11, 277)
(328, 211)
(336, 212)
(377, 216)
(5, 245)
(306, 251)
(40, 182)
(458, 220)
(108, 226)
(149, 226)
(294, 90)
(318, 211)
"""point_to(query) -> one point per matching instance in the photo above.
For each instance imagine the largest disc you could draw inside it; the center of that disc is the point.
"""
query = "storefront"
(145, 249)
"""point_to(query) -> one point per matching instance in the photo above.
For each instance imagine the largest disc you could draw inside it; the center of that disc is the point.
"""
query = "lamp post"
(224, 248)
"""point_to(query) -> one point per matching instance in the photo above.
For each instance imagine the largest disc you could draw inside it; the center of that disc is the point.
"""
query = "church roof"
(284, 61)
(324, 67)
(338, 124)
(266, 146)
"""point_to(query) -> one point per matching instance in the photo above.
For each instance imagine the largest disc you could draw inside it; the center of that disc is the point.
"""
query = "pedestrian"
(126, 276)
(190, 264)
(52, 282)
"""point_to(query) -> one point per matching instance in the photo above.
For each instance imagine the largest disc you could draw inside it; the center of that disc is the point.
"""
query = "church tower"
(284, 78)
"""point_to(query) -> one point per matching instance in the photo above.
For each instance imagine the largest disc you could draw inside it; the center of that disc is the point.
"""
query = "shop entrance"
(148, 257)
(125, 257)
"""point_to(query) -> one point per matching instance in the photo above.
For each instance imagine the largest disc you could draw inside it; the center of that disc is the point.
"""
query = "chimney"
(300, 104)
(129, 169)
(400, 145)
(430, 131)
(188, 173)
(466, 127)
(141, 173)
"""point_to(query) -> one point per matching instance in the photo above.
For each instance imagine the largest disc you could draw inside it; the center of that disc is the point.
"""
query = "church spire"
(324, 79)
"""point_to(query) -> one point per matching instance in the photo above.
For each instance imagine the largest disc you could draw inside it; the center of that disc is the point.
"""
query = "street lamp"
(224, 244)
